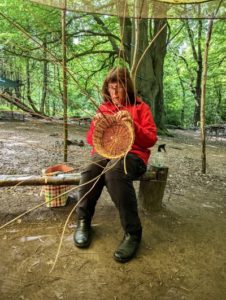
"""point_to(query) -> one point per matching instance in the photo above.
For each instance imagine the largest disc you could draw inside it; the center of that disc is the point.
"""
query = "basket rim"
(63, 168)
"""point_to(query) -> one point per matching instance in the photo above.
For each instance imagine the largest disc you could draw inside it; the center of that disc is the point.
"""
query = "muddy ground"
(183, 251)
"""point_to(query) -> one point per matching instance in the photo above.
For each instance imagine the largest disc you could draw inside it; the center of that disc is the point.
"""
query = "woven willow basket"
(113, 138)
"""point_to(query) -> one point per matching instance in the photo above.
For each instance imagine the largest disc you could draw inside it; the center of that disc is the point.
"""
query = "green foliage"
(4, 107)
(179, 77)
(92, 49)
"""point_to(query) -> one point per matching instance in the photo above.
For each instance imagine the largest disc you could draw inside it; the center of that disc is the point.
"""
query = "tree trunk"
(126, 34)
(18, 88)
(149, 76)
(218, 91)
(183, 94)
(198, 87)
(45, 78)
(158, 63)
(29, 87)
(197, 55)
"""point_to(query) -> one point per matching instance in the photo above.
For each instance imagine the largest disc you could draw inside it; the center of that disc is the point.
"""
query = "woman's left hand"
(124, 116)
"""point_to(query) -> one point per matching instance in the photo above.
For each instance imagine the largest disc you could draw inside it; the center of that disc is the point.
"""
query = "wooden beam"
(59, 179)
(26, 180)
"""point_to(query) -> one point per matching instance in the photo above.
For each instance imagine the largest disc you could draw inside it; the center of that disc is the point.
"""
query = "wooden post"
(151, 191)
(65, 81)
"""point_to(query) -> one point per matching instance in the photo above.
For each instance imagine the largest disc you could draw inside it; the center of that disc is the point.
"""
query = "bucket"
(56, 195)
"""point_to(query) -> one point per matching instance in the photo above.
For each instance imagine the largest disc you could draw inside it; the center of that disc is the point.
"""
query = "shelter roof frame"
(170, 9)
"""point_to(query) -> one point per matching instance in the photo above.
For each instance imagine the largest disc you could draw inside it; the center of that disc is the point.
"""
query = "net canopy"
(171, 9)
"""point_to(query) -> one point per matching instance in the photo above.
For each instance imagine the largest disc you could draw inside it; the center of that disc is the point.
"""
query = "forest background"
(168, 79)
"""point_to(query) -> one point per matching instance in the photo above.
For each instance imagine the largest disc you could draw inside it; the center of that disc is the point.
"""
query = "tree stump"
(151, 189)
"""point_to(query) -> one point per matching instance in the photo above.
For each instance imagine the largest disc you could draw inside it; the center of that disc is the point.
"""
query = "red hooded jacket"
(144, 125)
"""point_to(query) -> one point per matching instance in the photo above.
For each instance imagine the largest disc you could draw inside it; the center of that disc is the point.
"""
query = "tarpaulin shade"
(144, 8)
(7, 83)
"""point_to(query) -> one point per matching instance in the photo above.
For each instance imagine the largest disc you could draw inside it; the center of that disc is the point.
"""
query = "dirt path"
(182, 254)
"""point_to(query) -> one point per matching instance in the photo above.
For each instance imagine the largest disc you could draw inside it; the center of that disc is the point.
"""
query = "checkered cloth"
(56, 195)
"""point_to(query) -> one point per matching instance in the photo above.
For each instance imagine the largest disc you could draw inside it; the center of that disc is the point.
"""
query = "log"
(151, 192)
(26, 180)
(57, 179)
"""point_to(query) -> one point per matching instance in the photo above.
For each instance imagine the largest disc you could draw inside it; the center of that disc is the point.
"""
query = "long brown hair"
(122, 76)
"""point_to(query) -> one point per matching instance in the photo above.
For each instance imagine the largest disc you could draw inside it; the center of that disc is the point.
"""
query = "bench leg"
(151, 192)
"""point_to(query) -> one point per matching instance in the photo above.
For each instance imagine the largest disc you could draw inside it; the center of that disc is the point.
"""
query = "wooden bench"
(216, 130)
(80, 120)
(11, 115)
(151, 190)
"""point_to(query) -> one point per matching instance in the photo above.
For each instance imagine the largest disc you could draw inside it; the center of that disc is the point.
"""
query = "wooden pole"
(203, 96)
(65, 81)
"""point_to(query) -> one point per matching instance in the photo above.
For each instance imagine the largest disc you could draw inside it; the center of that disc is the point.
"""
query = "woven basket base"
(113, 138)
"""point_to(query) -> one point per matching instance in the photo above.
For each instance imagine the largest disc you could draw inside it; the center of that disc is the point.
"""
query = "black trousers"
(119, 185)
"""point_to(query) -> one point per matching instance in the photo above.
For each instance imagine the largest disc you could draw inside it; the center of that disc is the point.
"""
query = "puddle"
(211, 206)
(75, 225)
(46, 239)
(207, 206)
(33, 141)
(33, 238)
(69, 238)
(12, 230)
(17, 143)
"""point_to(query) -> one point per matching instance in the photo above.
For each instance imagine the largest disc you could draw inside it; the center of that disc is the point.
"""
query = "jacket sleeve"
(145, 128)
(89, 134)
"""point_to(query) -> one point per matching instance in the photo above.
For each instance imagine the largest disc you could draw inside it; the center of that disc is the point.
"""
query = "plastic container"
(159, 158)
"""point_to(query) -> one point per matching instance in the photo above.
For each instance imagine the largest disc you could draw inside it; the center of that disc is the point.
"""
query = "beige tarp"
(145, 8)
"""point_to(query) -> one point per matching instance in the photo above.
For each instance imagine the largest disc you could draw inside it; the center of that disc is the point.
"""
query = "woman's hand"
(124, 116)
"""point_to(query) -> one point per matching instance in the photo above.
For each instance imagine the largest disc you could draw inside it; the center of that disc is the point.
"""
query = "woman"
(118, 96)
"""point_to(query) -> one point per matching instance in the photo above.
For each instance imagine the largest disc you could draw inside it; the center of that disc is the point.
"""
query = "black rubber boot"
(82, 235)
(128, 248)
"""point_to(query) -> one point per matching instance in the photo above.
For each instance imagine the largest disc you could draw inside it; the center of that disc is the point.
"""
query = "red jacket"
(145, 128)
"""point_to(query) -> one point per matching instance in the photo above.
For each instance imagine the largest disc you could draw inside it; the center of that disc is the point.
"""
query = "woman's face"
(117, 93)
